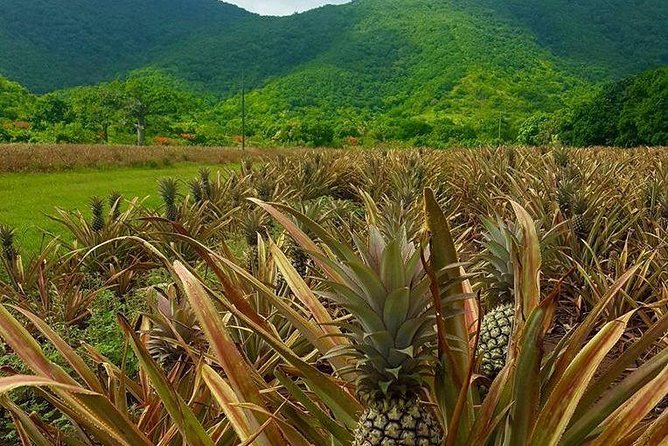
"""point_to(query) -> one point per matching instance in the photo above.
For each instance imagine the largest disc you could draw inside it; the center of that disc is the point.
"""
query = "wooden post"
(243, 113)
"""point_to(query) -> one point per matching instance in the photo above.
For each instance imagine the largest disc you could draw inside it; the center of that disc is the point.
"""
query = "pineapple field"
(510, 295)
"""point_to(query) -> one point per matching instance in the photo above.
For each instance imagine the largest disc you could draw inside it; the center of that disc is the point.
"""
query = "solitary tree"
(152, 98)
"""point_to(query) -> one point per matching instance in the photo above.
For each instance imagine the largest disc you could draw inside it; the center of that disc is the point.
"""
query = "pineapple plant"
(655, 199)
(580, 220)
(511, 157)
(386, 292)
(498, 274)
(170, 323)
(97, 209)
(9, 253)
(561, 158)
(201, 187)
(169, 189)
(565, 192)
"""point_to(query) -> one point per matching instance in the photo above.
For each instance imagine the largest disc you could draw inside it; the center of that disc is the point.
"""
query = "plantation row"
(353, 298)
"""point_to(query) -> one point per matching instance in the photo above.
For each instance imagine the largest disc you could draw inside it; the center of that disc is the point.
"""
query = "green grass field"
(27, 198)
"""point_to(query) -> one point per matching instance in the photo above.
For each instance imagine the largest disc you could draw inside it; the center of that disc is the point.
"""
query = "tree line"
(151, 106)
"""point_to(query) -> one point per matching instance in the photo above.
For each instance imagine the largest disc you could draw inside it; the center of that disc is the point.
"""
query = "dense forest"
(413, 71)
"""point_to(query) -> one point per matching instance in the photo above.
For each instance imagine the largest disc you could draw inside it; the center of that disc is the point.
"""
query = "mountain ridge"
(49, 45)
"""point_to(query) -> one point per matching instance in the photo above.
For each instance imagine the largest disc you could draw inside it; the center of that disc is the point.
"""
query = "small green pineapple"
(169, 189)
(97, 209)
(252, 224)
(300, 261)
(9, 252)
(580, 221)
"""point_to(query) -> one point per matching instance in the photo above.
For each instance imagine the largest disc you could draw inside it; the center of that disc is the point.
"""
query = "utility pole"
(243, 112)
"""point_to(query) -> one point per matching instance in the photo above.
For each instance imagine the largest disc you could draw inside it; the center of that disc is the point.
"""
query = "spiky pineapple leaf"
(563, 399)
(192, 430)
(241, 376)
(634, 411)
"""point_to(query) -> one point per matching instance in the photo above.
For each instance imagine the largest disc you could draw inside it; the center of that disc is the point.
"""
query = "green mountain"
(598, 37)
(51, 44)
(420, 71)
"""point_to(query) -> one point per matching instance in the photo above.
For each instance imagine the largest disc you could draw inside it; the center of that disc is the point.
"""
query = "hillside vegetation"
(48, 45)
(151, 107)
(414, 71)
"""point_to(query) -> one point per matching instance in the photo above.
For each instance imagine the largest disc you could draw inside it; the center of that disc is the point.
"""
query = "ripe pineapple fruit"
(387, 293)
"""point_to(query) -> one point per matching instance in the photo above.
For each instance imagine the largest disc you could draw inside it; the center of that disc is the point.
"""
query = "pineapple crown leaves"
(205, 181)
(252, 223)
(201, 187)
(196, 190)
(168, 189)
(561, 158)
(497, 267)
(387, 292)
(372, 282)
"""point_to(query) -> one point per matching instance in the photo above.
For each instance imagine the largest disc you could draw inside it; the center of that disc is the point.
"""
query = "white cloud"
(282, 7)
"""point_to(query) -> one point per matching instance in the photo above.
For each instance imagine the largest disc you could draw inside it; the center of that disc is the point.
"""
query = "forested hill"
(618, 37)
(51, 44)
(421, 71)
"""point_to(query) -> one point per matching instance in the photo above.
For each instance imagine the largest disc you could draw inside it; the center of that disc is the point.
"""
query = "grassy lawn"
(27, 198)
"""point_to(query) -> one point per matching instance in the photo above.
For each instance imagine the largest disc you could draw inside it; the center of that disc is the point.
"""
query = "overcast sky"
(282, 7)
